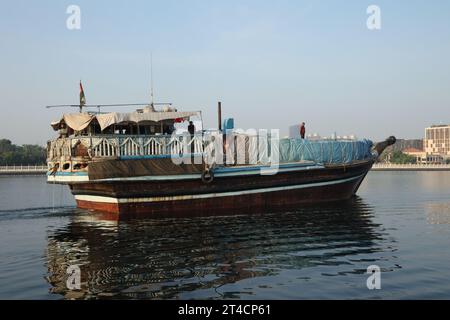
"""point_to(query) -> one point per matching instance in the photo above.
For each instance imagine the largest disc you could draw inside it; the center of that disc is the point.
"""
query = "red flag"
(82, 96)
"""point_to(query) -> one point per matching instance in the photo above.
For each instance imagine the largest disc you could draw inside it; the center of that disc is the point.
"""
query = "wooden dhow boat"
(135, 163)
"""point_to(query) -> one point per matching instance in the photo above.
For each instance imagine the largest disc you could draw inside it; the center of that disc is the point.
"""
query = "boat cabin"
(145, 122)
(144, 133)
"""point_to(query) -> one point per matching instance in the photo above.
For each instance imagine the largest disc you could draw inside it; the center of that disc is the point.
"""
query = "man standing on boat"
(191, 130)
(302, 130)
(63, 130)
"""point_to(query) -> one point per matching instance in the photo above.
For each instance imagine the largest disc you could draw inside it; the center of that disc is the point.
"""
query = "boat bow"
(381, 146)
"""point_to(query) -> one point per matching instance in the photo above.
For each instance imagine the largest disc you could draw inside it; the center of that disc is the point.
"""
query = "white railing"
(22, 168)
(119, 146)
(393, 166)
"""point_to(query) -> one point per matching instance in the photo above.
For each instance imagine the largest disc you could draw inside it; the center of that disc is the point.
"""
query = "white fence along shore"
(410, 167)
(23, 169)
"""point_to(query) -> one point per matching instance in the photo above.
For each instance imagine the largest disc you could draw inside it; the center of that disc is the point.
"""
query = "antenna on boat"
(106, 105)
(83, 104)
(151, 81)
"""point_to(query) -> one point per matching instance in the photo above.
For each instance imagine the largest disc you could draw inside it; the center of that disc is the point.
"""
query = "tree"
(399, 157)
(6, 146)
(21, 155)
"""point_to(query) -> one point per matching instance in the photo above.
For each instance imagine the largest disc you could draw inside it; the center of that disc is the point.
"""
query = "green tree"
(399, 157)
(6, 146)
(21, 155)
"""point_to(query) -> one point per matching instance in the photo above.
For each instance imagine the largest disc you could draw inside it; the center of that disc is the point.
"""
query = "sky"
(273, 64)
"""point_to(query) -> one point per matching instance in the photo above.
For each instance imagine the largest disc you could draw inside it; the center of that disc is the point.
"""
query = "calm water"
(400, 222)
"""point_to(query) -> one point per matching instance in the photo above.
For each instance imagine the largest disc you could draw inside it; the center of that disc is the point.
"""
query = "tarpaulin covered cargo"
(324, 151)
(263, 149)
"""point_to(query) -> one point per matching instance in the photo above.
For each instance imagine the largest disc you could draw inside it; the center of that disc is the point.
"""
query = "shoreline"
(410, 167)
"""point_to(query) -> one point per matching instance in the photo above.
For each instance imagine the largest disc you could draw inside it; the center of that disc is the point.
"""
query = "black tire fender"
(207, 176)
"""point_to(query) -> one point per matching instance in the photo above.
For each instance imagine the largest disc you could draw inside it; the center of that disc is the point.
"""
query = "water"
(400, 221)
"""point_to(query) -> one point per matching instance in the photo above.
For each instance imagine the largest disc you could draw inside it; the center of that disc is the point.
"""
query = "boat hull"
(232, 192)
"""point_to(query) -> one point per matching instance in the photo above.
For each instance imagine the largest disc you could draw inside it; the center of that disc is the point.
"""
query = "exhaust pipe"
(219, 115)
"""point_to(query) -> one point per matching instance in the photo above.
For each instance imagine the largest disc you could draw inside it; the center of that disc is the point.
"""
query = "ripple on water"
(320, 251)
(170, 258)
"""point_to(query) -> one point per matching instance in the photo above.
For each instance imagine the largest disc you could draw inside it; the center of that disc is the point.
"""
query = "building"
(403, 144)
(437, 141)
(420, 155)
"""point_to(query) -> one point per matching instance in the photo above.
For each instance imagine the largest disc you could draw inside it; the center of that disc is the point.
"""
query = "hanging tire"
(207, 176)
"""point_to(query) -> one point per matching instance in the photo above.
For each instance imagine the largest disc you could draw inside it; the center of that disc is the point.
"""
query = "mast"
(151, 81)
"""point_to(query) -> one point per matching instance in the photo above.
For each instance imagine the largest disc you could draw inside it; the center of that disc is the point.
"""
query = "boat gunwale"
(221, 172)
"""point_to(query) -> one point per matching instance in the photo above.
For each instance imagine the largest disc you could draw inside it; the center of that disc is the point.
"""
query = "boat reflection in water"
(195, 257)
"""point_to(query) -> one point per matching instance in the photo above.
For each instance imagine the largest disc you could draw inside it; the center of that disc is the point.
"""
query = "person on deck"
(191, 130)
(302, 130)
(63, 130)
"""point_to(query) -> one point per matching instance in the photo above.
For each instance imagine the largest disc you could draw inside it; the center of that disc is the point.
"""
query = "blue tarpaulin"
(324, 151)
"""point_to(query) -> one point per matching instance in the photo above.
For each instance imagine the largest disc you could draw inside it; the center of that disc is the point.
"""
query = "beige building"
(421, 156)
(437, 142)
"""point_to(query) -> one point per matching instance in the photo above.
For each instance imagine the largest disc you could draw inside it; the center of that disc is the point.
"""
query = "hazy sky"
(272, 64)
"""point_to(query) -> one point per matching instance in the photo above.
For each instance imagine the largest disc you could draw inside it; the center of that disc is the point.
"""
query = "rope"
(53, 196)
(60, 195)
(331, 154)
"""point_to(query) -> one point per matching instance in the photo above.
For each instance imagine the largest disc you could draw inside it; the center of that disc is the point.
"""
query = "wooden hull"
(229, 192)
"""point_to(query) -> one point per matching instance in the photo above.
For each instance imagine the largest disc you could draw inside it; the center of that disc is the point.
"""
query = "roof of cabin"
(80, 121)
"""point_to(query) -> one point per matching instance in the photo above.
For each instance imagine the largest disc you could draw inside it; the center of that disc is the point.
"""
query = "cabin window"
(80, 166)
(66, 166)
